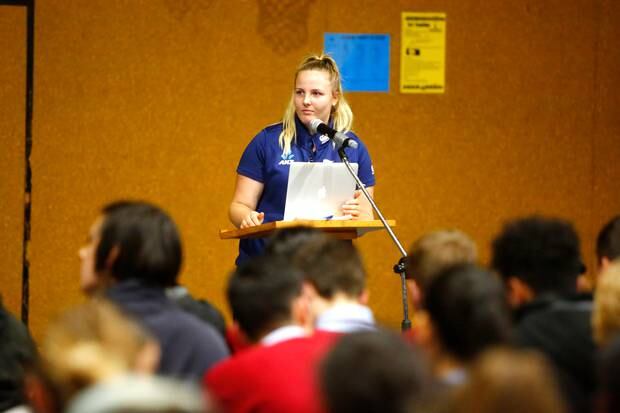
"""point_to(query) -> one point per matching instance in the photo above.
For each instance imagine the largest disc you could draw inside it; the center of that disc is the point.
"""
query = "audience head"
(468, 311)
(333, 268)
(131, 240)
(606, 311)
(17, 356)
(373, 372)
(287, 241)
(92, 343)
(433, 253)
(509, 381)
(608, 243)
(265, 293)
(537, 255)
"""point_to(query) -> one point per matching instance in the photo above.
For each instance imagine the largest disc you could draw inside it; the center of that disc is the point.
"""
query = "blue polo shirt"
(263, 161)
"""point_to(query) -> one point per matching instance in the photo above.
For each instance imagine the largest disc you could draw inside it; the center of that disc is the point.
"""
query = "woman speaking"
(262, 174)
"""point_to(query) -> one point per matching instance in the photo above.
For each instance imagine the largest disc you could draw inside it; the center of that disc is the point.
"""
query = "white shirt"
(346, 318)
(282, 334)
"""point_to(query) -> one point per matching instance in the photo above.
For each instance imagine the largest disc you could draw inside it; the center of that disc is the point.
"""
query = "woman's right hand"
(253, 219)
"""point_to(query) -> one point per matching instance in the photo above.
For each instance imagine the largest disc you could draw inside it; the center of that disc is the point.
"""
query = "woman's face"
(314, 96)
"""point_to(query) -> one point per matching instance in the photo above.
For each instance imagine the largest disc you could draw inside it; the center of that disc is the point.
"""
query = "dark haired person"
(277, 374)
(468, 314)
(335, 281)
(374, 371)
(17, 354)
(266, 300)
(132, 255)
(608, 243)
(540, 262)
(428, 256)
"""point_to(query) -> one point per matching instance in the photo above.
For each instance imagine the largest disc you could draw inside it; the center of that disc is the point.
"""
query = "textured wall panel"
(12, 135)
(157, 99)
(606, 131)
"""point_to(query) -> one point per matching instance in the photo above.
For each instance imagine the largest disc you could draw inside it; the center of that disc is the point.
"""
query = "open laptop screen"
(317, 190)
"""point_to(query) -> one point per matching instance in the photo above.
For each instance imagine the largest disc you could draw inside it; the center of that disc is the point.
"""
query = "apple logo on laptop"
(322, 192)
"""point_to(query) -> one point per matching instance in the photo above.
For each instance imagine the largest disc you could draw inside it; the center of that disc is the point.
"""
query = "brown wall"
(12, 132)
(157, 99)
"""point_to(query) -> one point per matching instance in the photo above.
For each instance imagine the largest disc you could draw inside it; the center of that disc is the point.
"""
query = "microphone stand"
(399, 268)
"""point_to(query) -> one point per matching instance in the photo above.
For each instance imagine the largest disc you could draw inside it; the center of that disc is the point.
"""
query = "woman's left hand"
(351, 207)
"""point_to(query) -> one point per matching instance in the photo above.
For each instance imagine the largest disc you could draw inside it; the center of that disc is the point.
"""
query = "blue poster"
(363, 59)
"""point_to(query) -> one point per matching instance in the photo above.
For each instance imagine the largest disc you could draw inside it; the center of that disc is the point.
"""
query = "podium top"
(343, 229)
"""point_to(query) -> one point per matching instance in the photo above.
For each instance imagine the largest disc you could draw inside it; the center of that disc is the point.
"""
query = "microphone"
(317, 125)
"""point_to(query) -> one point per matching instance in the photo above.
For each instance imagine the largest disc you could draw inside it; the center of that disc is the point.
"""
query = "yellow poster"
(423, 53)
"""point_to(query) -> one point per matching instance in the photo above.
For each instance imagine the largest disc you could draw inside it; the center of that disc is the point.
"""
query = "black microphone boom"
(317, 125)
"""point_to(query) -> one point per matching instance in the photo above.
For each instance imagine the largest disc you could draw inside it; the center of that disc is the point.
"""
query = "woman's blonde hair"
(341, 113)
(606, 311)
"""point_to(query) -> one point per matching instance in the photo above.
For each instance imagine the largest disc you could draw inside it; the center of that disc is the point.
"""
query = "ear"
(518, 292)
(112, 257)
(309, 291)
(39, 394)
(604, 265)
(584, 284)
(415, 295)
(335, 99)
(364, 297)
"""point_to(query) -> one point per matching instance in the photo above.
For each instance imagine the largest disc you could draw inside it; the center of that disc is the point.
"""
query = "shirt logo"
(323, 138)
(286, 159)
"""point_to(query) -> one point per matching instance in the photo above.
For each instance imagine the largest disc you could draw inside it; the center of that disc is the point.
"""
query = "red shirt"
(278, 378)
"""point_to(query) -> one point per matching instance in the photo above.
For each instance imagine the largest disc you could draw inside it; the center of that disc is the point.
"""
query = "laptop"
(317, 190)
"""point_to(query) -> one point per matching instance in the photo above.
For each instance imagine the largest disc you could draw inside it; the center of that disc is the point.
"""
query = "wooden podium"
(339, 229)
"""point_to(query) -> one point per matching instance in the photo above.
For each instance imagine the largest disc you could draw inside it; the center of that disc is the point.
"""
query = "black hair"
(373, 371)
(542, 252)
(608, 240)
(287, 241)
(469, 310)
(17, 356)
(260, 293)
(332, 266)
(148, 242)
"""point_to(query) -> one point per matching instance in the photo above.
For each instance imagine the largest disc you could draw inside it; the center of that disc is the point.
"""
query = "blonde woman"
(262, 174)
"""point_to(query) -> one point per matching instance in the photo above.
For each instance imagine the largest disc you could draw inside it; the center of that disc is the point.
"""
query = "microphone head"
(314, 125)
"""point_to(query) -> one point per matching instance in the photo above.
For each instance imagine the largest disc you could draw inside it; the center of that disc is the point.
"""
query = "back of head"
(332, 267)
(606, 311)
(261, 292)
(542, 252)
(468, 308)
(608, 240)
(17, 356)
(373, 372)
(437, 251)
(91, 343)
(287, 241)
(509, 381)
(142, 240)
